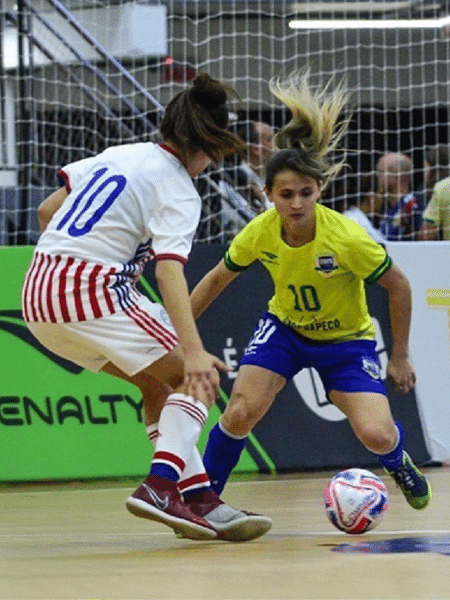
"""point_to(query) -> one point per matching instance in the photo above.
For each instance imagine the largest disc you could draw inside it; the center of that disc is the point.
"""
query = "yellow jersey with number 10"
(319, 287)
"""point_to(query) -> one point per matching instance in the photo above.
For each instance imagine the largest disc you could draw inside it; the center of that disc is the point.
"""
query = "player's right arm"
(239, 256)
(49, 206)
(210, 287)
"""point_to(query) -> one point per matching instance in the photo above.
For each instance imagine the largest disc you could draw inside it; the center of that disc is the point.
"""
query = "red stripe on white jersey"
(96, 311)
(77, 292)
(48, 292)
(40, 296)
(64, 289)
(53, 289)
(106, 294)
(35, 284)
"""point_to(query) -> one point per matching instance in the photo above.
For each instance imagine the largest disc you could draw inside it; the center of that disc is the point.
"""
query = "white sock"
(194, 476)
(181, 421)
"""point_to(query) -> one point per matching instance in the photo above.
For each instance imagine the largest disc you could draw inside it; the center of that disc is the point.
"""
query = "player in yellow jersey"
(319, 261)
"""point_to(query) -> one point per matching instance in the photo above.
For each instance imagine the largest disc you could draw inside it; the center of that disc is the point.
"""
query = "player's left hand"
(201, 378)
(401, 374)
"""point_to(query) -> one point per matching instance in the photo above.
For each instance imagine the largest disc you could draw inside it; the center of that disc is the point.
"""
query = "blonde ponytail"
(314, 126)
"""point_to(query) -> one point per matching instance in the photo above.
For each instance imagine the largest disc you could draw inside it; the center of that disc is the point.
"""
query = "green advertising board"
(58, 421)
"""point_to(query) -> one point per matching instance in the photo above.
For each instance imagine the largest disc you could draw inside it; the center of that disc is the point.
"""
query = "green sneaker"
(413, 484)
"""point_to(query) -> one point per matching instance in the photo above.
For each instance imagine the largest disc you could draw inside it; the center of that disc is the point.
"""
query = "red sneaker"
(231, 524)
(158, 499)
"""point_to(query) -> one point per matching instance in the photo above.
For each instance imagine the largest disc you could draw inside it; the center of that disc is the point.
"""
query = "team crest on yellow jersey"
(326, 263)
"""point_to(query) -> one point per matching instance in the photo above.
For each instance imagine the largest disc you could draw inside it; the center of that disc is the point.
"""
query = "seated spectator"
(242, 178)
(210, 228)
(247, 172)
(365, 207)
(435, 167)
(436, 216)
(402, 207)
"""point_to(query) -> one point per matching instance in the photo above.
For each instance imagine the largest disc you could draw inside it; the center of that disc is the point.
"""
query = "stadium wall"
(58, 421)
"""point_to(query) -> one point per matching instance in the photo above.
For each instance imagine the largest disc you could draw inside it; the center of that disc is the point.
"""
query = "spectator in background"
(436, 216)
(247, 172)
(363, 208)
(402, 207)
(242, 178)
(435, 168)
(259, 139)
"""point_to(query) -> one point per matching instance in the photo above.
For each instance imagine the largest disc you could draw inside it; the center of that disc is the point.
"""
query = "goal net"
(81, 75)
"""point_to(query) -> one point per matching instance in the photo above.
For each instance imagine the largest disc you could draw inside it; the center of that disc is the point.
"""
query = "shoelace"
(405, 477)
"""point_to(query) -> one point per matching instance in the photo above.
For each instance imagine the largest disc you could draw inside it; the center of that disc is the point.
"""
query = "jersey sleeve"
(171, 209)
(71, 174)
(242, 250)
(367, 259)
(173, 229)
(431, 212)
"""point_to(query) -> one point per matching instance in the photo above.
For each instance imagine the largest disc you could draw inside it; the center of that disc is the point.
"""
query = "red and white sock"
(193, 479)
(175, 437)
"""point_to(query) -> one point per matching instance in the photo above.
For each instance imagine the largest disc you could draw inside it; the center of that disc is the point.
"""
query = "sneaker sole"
(421, 503)
(243, 530)
(189, 530)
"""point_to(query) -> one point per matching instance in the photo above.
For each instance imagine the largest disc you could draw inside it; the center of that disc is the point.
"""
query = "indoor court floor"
(76, 541)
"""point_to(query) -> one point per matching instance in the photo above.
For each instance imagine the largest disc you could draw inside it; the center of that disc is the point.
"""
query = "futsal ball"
(355, 500)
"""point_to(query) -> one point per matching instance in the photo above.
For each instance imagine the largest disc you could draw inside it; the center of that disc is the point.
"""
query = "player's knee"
(239, 417)
(378, 439)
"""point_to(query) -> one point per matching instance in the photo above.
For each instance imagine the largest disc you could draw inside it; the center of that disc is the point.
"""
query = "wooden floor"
(76, 541)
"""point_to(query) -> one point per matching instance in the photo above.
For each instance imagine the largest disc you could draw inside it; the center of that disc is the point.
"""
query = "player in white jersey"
(319, 261)
(116, 211)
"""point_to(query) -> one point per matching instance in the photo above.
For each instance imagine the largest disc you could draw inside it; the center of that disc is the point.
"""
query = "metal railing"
(26, 17)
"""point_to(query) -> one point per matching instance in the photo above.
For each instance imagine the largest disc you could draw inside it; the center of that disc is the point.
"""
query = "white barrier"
(427, 265)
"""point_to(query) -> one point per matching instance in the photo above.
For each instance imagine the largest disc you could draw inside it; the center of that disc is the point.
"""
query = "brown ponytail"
(197, 119)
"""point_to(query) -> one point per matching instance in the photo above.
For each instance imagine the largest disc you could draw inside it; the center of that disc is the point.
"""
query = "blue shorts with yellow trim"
(343, 366)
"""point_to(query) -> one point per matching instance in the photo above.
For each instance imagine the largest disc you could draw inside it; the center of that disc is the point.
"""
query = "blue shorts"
(343, 366)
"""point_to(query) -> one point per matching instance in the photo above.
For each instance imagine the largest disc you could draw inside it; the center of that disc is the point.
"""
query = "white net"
(80, 75)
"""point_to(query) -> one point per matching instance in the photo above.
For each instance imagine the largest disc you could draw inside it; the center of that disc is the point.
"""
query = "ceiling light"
(370, 23)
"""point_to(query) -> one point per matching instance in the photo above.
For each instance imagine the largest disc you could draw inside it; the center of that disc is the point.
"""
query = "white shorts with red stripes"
(132, 339)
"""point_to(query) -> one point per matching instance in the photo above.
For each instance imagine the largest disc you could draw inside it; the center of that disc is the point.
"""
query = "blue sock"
(394, 459)
(221, 456)
(163, 470)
